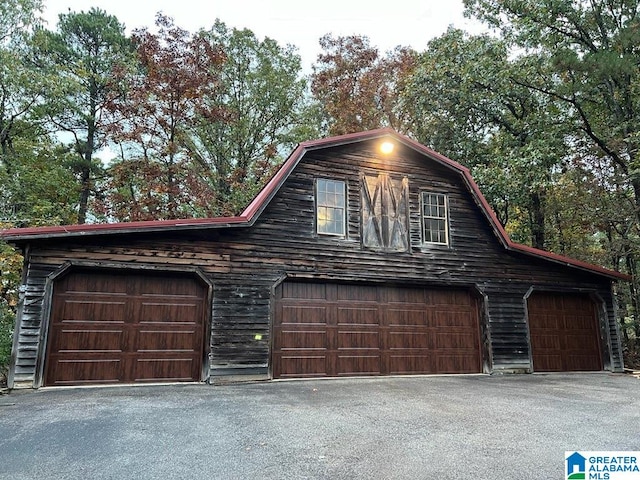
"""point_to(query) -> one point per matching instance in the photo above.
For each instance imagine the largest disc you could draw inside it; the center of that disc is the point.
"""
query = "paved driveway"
(480, 427)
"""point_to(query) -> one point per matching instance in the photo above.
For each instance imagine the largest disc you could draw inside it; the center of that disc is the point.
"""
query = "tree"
(10, 268)
(590, 57)
(205, 122)
(154, 178)
(265, 112)
(357, 86)
(594, 51)
(17, 18)
(20, 93)
(465, 101)
(20, 84)
(84, 53)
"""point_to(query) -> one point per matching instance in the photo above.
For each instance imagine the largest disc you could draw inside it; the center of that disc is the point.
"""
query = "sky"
(410, 23)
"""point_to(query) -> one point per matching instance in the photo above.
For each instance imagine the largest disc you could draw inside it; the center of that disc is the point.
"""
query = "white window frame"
(437, 217)
(330, 205)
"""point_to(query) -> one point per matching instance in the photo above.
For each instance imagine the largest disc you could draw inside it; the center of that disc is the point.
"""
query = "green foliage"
(264, 113)
(17, 17)
(82, 56)
(7, 323)
(586, 58)
(476, 112)
(37, 186)
(10, 271)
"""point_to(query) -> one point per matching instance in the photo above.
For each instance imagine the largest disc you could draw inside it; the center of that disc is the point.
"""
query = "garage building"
(353, 260)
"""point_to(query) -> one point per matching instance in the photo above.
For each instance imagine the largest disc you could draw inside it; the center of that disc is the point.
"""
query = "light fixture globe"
(386, 147)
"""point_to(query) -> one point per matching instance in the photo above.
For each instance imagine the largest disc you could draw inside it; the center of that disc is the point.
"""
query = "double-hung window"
(330, 207)
(435, 228)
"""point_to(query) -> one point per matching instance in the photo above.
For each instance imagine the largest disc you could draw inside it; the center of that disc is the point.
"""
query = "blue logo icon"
(576, 466)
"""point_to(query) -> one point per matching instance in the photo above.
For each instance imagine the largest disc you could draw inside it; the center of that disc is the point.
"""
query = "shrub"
(7, 321)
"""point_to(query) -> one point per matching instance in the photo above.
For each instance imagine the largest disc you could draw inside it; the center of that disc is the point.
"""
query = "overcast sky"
(298, 22)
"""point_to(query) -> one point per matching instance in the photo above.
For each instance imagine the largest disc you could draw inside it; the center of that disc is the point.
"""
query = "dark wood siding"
(325, 329)
(245, 264)
(29, 328)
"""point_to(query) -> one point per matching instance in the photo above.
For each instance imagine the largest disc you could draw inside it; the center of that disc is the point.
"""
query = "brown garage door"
(116, 327)
(564, 333)
(339, 330)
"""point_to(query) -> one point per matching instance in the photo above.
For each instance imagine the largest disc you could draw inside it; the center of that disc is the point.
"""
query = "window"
(434, 218)
(330, 207)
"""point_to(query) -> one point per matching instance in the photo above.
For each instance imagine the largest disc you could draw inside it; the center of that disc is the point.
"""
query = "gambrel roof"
(250, 214)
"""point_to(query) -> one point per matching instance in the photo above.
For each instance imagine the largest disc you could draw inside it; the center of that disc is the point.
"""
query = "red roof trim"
(106, 228)
(258, 204)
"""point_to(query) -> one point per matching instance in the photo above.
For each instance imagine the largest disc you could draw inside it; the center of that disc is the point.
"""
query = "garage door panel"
(308, 340)
(564, 332)
(166, 312)
(159, 285)
(126, 336)
(88, 371)
(357, 316)
(449, 298)
(548, 342)
(163, 369)
(547, 362)
(410, 339)
(84, 283)
(358, 340)
(577, 363)
(359, 293)
(407, 317)
(88, 340)
(444, 318)
(302, 365)
(298, 315)
(303, 290)
(582, 322)
(166, 341)
(399, 330)
(404, 364)
(549, 322)
(457, 363)
(350, 365)
(580, 341)
(404, 295)
(456, 341)
(93, 310)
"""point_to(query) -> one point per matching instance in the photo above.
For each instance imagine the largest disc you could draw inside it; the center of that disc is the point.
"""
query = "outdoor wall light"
(386, 147)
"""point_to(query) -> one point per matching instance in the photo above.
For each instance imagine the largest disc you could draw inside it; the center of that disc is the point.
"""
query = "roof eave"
(22, 235)
(567, 262)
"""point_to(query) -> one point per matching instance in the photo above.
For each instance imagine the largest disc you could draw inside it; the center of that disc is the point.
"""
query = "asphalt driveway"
(481, 427)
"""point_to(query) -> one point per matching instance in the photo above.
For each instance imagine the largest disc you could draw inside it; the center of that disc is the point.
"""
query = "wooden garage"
(564, 331)
(352, 260)
(325, 329)
(112, 327)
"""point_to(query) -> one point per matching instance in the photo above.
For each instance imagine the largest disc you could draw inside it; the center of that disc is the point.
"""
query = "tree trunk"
(537, 220)
(85, 190)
